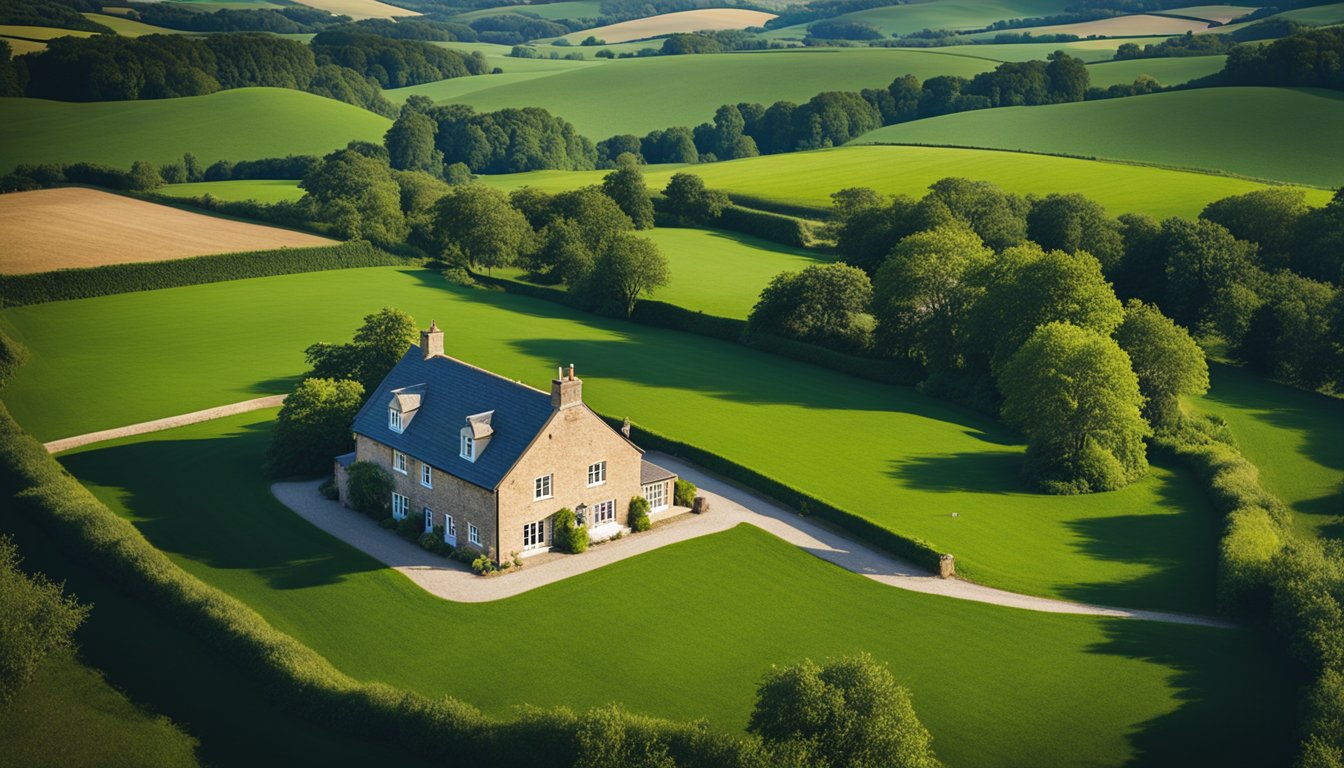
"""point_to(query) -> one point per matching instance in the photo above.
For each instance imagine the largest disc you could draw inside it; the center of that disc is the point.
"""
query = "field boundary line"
(158, 425)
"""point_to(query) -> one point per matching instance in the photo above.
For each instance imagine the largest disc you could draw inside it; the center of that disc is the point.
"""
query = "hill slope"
(1271, 133)
(239, 124)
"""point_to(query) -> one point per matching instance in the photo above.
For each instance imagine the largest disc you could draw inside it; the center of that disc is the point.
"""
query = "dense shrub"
(410, 528)
(824, 304)
(35, 620)
(639, 514)
(369, 490)
(767, 226)
(566, 534)
(12, 357)
(684, 493)
(65, 284)
(313, 426)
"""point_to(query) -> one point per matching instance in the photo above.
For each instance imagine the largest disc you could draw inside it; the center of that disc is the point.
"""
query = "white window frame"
(429, 520)
(658, 489)
(468, 450)
(473, 534)
(399, 461)
(543, 488)
(597, 473)
(449, 530)
(426, 475)
(400, 506)
(534, 535)
(599, 518)
(394, 421)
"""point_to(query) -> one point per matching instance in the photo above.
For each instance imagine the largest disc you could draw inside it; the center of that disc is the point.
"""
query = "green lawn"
(1296, 438)
(807, 179)
(1169, 71)
(886, 453)
(239, 124)
(616, 96)
(260, 190)
(1285, 134)
(686, 631)
(69, 716)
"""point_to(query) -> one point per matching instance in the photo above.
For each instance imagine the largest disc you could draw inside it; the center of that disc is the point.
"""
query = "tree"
(822, 303)
(923, 293)
(1074, 393)
(410, 143)
(1289, 334)
(999, 218)
(378, 345)
(144, 177)
(1267, 217)
(1318, 243)
(630, 267)
(313, 426)
(1068, 77)
(598, 218)
(476, 225)
(36, 619)
(1073, 223)
(865, 226)
(847, 713)
(357, 196)
(691, 202)
(1167, 361)
(625, 185)
(568, 534)
(563, 257)
(1203, 261)
(1142, 272)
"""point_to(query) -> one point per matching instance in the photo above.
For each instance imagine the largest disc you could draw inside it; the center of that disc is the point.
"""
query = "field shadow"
(1232, 683)
(208, 502)
(985, 471)
(276, 386)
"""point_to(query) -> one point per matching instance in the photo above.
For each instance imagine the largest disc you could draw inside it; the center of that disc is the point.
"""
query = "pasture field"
(361, 9)
(48, 229)
(996, 686)
(670, 23)
(129, 27)
(1296, 438)
(806, 179)
(1170, 71)
(515, 71)
(1136, 25)
(40, 33)
(567, 9)
(885, 453)
(19, 46)
(936, 14)
(262, 122)
(1219, 13)
(1284, 134)
(260, 190)
(1088, 50)
(1314, 16)
(112, 731)
(602, 101)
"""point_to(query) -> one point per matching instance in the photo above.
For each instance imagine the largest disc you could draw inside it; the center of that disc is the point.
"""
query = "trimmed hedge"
(904, 373)
(663, 315)
(767, 226)
(65, 284)
(907, 548)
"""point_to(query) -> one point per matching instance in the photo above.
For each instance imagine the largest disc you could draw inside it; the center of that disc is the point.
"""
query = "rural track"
(157, 425)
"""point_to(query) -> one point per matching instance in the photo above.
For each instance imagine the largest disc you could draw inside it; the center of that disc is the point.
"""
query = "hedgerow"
(65, 284)
(767, 226)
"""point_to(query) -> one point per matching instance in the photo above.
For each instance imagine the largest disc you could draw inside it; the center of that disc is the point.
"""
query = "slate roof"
(454, 390)
(652, 473)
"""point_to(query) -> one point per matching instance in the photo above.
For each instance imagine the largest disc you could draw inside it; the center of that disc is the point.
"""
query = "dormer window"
(394, 420)
(468, 447)
(476, 435)
(404, 405)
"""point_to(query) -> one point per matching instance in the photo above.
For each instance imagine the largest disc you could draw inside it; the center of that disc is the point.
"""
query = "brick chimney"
(566, 390)
(431, 341)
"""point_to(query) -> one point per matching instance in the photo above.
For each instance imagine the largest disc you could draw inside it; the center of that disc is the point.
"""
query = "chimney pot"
(431, 341)
(566, 391)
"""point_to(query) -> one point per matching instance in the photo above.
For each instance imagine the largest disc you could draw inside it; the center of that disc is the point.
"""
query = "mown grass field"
(1285, 134)
(129, 27)
(1088, 50)
(1170, 71)
(40, 33)
(260, 190)
(886, 453)
(239, 124)
(806, 179)
(936, 14)
(37, 724)
(1296, 438)
(670, 23)
(567, 9)
(996, 686)
(18, 46)
(615, 98)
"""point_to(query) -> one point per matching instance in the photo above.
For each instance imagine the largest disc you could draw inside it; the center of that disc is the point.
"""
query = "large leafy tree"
(1167, 361)
(629, 268)
(313, 426)
(999, 218)
(598, 217)
(821, 303)
(846, 713)
(410, 143)
(923, 293)
(476, 226)
(36, 619)
(625, 185)
(1204, 260)
(865, 225)
(1267, 217)
(690, 201)
(378, 344)
(357, 196)
(1074, 393)
(1073, 223)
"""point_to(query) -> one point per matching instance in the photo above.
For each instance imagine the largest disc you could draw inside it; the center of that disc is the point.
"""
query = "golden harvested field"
(39, 33)
(1219, 13)
(18, 47)
(668, 23)
(77, 227)
(360, 9)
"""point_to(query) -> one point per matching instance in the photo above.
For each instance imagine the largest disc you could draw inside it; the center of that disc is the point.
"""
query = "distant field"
(48, 229)
(261, 122)
(616, 98)
(669, 23)
(1271, 133)
(40, 33)
(260, 190)
(570, 9)
(19, 47)
(1219, 13)
(894, 456)
(1117, 26)
(937, 14)
(1296, 439)
(1169, 71)
(361, 9)
(1314, 16)
(129, 27)
(996, 686)
(1087, 50)
(515, 71)
(807, 179)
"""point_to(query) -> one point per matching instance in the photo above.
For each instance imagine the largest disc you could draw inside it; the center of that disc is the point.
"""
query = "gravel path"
(730, 505)
(66, 443)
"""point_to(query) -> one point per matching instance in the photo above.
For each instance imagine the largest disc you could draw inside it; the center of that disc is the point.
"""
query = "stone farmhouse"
(492, 460)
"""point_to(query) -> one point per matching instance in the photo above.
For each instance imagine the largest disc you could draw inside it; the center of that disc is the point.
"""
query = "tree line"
(292, 19)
